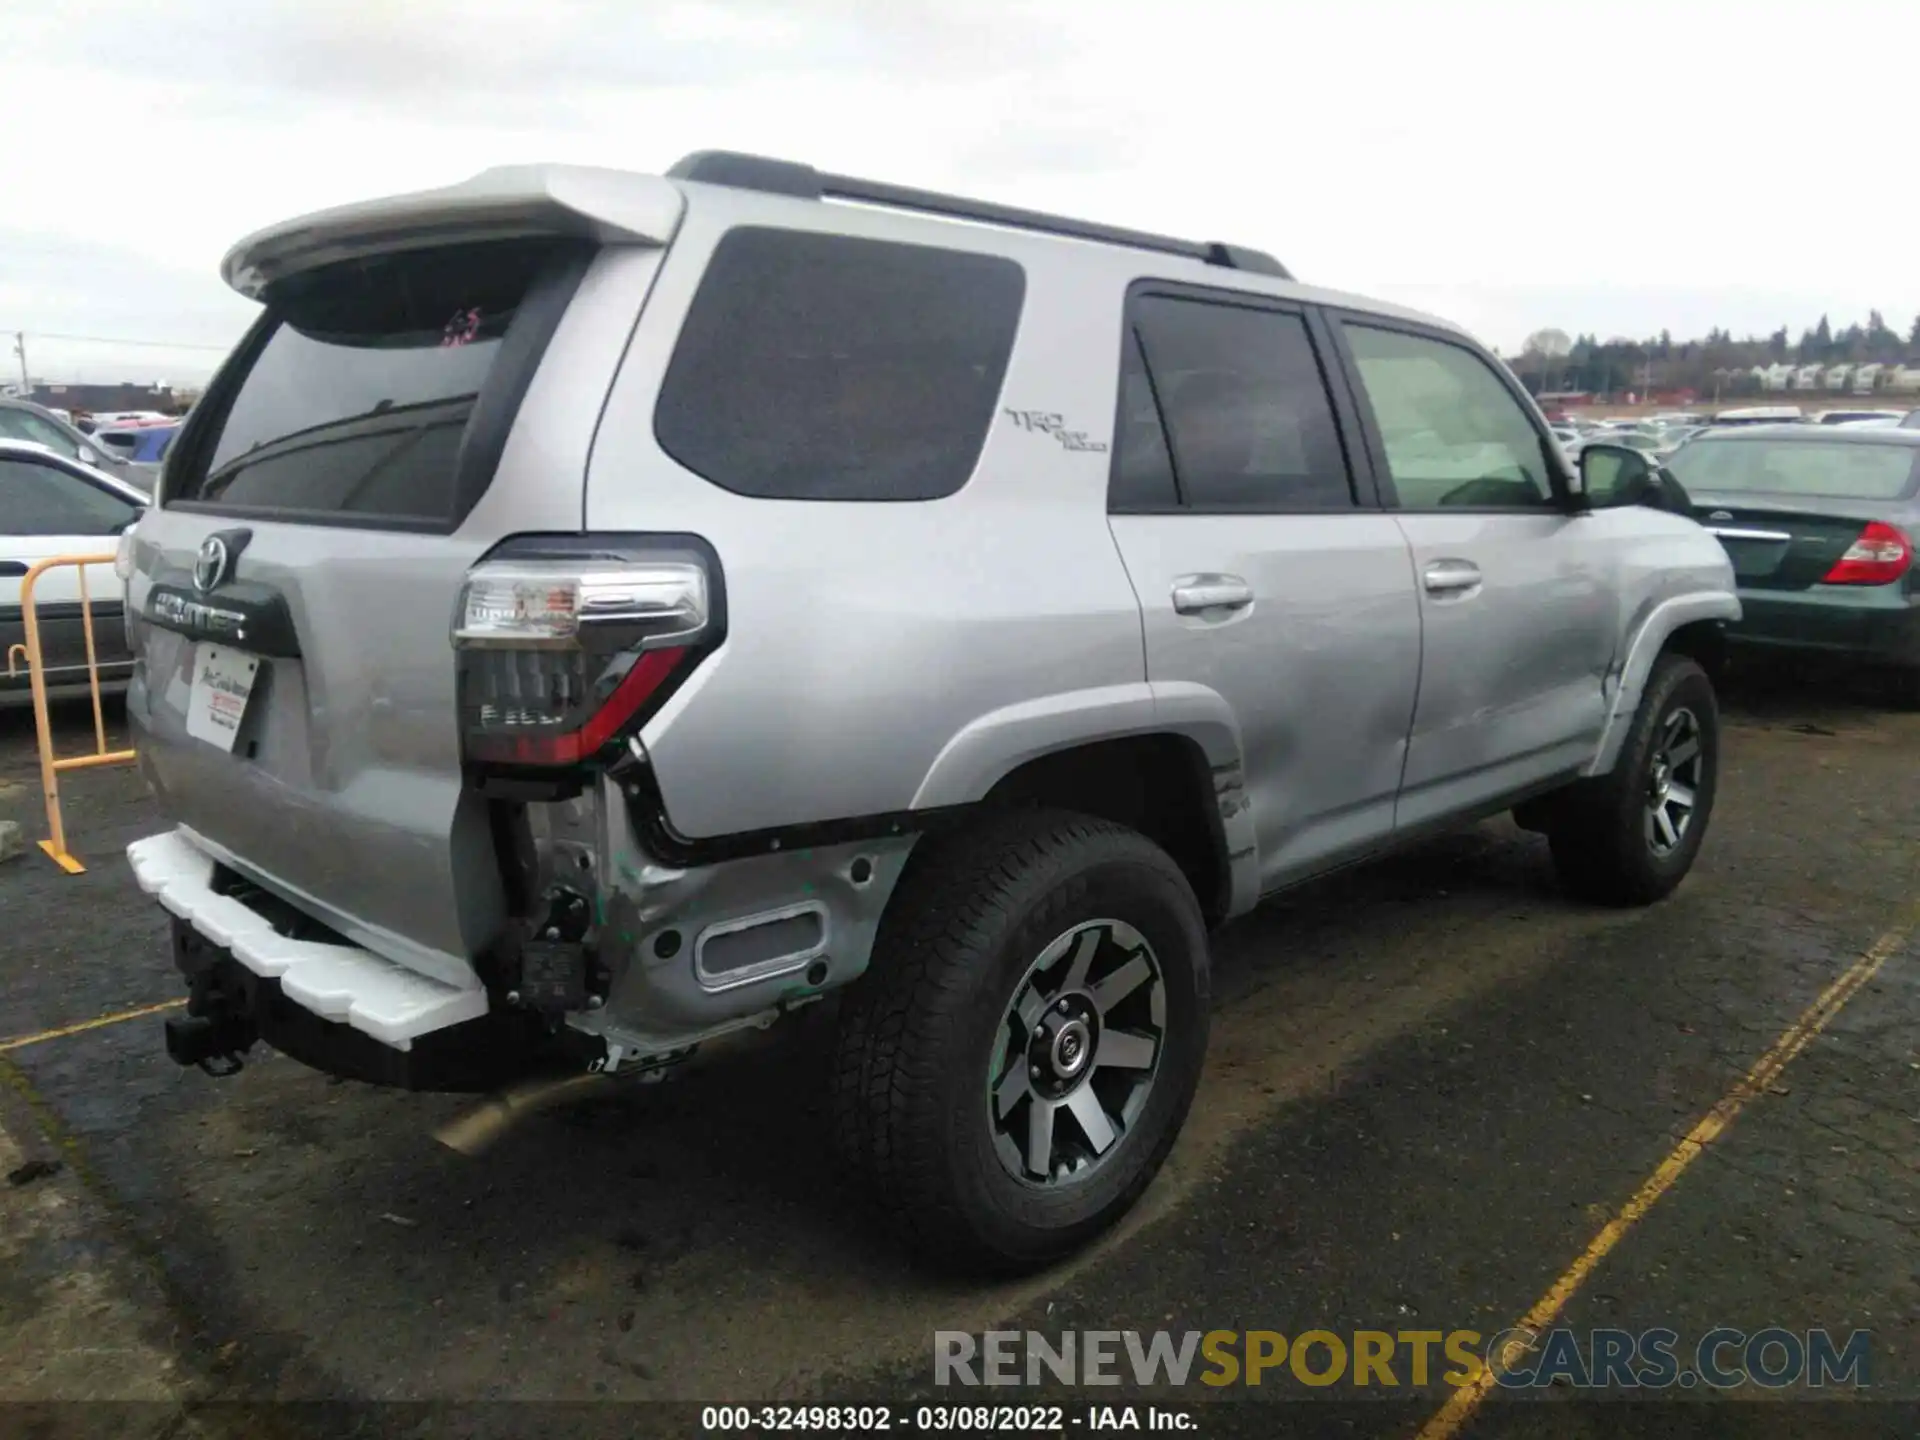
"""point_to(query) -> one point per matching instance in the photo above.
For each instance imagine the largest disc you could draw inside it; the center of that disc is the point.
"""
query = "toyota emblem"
(211, 568)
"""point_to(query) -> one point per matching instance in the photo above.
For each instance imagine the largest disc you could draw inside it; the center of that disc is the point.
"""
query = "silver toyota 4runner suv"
(591, 613)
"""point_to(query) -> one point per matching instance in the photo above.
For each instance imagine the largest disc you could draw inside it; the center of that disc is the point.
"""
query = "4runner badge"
(1045, 423)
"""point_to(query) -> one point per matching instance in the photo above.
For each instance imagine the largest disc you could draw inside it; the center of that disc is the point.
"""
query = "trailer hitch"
(216, 1044)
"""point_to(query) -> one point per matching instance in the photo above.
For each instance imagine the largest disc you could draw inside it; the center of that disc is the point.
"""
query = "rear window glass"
(833, 367)
(357, 401)
(1782, 467)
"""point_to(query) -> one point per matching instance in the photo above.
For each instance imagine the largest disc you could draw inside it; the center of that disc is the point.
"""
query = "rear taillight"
(1880, 556)
(566, 644)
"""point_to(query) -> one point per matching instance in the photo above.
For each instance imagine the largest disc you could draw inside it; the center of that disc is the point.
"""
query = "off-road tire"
(917, 1033)
(1598, 829)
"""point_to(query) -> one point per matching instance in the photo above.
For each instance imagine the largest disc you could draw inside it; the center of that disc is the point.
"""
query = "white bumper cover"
(343, 983)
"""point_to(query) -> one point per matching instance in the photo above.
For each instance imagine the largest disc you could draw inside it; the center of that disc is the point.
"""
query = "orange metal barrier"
(51, 765)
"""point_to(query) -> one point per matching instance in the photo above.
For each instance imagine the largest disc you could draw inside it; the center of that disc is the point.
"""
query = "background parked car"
(1844, 417)
(142, 444)
(51, 505)
(1655, 444)
(1820, 524)
(1761, 415)
(23, 420)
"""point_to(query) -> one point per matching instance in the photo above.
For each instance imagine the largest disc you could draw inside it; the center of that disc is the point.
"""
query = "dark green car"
(1820, 525)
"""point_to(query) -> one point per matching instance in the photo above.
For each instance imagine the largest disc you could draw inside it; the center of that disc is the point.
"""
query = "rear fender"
(997, 743)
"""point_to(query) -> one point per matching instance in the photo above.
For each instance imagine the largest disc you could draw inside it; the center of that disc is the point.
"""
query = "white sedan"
(51, 505)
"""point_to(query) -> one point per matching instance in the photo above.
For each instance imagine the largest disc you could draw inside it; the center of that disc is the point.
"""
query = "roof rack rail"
(789, 177)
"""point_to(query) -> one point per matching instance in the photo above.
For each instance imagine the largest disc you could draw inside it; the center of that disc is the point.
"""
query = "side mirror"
(1612, 475)
(1617, 475)
(87, 457)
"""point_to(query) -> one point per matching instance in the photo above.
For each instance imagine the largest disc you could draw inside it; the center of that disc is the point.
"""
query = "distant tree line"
(1551, 360)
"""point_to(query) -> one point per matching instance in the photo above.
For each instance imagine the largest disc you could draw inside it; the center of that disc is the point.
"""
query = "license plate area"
(224, 680)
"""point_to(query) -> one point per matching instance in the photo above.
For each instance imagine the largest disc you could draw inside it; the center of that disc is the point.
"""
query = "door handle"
(1450, 577)
(1193, 594)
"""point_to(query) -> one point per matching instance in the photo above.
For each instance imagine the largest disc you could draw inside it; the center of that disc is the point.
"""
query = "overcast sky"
(1615, 168)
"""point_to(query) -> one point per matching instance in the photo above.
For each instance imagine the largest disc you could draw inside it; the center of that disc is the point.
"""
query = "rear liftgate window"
(356, 406)
(828, 367)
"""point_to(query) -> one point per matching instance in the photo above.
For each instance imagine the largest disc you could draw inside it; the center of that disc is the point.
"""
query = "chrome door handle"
(1193, 594)
(1450, 577)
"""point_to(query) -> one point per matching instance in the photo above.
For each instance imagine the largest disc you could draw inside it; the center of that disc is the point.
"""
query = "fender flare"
(1648, 641)
(993, 745)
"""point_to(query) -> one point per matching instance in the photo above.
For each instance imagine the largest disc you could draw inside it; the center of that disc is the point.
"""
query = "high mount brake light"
(563, 646)
(1880, 556)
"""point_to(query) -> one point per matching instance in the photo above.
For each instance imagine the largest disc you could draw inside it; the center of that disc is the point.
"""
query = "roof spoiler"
(508, 202)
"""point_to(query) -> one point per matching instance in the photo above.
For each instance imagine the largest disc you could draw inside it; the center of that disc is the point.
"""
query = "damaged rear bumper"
(334, 1006)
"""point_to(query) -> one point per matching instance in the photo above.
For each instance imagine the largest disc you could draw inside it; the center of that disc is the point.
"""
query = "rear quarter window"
(835, 367)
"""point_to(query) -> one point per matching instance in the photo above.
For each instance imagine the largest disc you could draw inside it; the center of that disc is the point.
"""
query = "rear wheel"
(1629, 837)
(1017, 1064)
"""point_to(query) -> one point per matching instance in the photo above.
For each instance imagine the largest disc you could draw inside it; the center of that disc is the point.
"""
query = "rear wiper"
(310, 436)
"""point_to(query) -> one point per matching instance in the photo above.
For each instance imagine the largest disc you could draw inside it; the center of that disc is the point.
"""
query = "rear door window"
(355, 404)
(835, 367)
(1245, 405)
(1141, 479)
(38, 499)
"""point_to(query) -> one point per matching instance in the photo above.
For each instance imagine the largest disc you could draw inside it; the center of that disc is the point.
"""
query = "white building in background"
(1774, 377)
(1866, 378)
(1904, 378)
(1807, 377)
(1836, 377)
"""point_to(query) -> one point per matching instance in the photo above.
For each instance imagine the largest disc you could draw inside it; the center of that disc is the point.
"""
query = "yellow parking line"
(1460, 1405)
(21, 1042)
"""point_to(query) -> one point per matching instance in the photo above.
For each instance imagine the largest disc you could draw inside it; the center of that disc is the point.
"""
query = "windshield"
(1786, 467)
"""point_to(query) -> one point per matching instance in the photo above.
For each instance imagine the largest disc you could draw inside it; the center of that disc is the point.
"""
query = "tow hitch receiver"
(218, 1028)
(216, 1044)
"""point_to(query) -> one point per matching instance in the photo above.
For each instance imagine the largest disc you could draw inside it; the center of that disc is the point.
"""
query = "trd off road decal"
(1043, 422)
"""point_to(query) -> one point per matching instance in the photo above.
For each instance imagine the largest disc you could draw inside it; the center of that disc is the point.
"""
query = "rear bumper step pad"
(341, 983)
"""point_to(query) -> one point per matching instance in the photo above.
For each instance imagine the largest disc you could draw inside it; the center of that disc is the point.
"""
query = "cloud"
(107, 295)
(504, 61)
(1507, 161)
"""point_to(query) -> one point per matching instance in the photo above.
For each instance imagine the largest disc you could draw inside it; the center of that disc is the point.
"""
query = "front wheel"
(1630, 837)
(1017, 1063)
